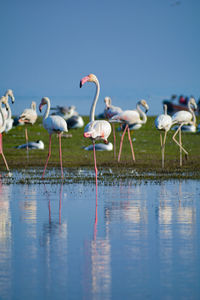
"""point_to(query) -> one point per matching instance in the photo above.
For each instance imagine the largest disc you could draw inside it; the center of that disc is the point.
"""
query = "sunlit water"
(141, 241)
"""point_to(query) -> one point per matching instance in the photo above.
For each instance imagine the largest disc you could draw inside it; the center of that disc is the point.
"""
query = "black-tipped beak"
(81, 84)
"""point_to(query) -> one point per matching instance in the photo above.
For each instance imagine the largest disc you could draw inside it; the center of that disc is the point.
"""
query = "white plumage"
(29, 115)
(100, 147)
(32, 145)
(110, 109)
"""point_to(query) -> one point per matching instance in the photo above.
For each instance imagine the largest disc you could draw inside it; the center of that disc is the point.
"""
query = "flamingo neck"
(46, 114)
(142, 114)
(92, 111)
(193, 121)
(3, 119)
(9, 111)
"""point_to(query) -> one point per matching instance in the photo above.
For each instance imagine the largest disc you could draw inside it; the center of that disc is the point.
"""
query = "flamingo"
(163, 123)
(109, 112)
(53, 124)
(32, 145)
(129, 117)
(2, 128)
(100, 147)
(182, 118)
(29, 116)
(95, 129)
(7, 111)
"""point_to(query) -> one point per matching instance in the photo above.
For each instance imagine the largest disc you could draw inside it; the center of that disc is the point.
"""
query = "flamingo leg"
(114, 139)
(163, 149)
(26, 136)
(180, 142)
(177, 131)
(95, 164)
(60, 154)
(121, 142)
(1, 152)
(129, 137)
(49, 154)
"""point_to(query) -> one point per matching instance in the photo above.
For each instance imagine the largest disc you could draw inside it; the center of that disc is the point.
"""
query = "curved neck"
(3, 119)
(46, 114)
(92, 111)
(193, 114)
(9, 111)
(142, 114)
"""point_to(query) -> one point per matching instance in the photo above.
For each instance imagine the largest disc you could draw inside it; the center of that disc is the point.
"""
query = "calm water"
(141, 241)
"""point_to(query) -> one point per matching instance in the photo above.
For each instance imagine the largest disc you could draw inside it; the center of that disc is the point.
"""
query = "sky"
(138, 49)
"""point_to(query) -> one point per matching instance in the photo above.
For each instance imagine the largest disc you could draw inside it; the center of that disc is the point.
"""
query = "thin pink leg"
(121, 142)
(60, 153)
(129, 137)
(114, 139)
(1, 152)
(95, 164)
(49, 154)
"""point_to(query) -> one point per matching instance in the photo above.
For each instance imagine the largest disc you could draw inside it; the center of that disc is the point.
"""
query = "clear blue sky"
(137, 48)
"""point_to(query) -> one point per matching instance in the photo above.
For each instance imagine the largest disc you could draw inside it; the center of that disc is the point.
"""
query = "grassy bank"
(146, 147)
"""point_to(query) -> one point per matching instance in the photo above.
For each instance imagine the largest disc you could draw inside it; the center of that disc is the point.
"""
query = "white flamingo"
(53, 124)
(32, 145)
(2, 128)
(7, 110)
(129, 117)
(182, 118)
(29, 116)
(163, 123)
(109, 112)
(95, 129)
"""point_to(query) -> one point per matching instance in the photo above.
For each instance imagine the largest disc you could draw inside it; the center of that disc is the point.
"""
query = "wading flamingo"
(29, 116)
(109, 112)
(53, 124)
(182, 118)
(2, 128)
(129, 117)
(95, 129)
(163, 123)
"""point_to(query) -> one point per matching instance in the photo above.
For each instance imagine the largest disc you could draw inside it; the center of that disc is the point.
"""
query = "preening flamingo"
(129, 117)
(109, 112)
(95, 129)
(29, 116)
(2, 128)
(163, 123)
(53, 124)
(182, 118)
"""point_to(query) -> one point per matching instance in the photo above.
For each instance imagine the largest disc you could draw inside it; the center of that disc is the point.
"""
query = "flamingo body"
(53, 124)
(29, 115)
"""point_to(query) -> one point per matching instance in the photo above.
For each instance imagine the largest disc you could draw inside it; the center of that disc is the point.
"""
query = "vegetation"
(146, 146)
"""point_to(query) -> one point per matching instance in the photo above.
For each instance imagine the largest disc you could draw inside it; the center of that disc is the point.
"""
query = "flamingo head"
(145, 105)
(4, 100)
(9, 93)
(90, 78)
(43, 102)
(193, 103)
(33, 105)
(107, 101)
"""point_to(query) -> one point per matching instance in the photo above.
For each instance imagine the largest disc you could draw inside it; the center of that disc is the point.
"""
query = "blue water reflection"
(134, 241)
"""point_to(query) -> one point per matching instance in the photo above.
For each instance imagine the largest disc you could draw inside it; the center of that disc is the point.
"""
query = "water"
(141, 241)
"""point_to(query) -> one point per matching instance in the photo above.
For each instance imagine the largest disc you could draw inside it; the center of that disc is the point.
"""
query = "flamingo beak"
(84, 80)
(40, 107)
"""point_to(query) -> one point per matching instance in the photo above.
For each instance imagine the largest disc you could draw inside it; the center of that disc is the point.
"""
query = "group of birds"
(64, 118)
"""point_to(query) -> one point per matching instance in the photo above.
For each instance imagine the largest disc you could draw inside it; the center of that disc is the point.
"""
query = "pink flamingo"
(109, 112)
(53, 124)
(95, 130)
(129, 117)
(29, 116)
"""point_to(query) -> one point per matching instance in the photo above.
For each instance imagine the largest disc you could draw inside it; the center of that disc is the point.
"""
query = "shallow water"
(136, 240)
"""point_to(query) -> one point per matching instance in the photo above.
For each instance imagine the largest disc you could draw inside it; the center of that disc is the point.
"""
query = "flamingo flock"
(64, 118)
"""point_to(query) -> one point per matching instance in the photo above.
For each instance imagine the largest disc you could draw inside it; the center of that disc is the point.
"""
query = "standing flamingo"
(29, 116)
(95, 130)
(129, 117)
(7, 111)
(109, 112)
(53, 124)
(163, 123)
(181, 118)
(2, 128)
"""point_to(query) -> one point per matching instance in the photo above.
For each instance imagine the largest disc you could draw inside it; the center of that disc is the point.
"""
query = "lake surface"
(135, 240)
